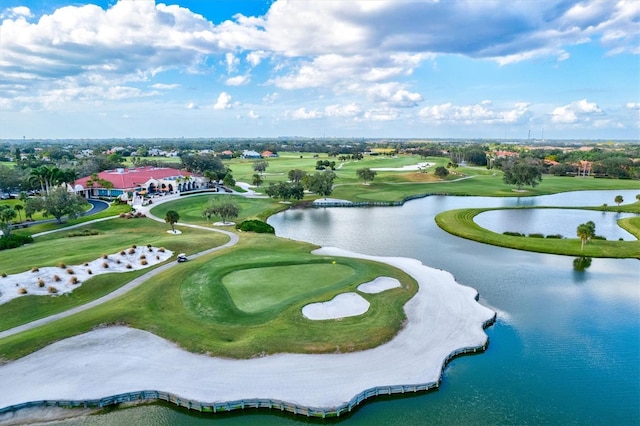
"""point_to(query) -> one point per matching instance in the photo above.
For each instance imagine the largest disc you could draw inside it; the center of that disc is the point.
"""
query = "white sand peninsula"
(443, 317)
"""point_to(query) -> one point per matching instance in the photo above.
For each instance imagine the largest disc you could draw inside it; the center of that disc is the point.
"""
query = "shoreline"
(122, 359)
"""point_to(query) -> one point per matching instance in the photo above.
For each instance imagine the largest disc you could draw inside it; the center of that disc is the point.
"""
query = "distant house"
(250, 154)
(226, 154)
(268, 154)
(139, 180)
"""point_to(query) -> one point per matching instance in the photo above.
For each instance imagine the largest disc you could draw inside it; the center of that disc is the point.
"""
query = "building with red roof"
(138, 180)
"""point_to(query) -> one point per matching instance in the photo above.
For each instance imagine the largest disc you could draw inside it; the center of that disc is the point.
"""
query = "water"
(565, 348)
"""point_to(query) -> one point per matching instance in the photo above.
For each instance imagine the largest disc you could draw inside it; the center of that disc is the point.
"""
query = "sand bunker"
(379, 285)
(40, 281)
(342, 306)
(410, 168)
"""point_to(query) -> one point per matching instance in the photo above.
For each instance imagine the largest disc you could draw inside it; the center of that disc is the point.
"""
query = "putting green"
(257, 290)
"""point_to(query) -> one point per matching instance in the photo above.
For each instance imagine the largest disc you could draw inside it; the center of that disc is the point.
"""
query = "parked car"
(182, 258)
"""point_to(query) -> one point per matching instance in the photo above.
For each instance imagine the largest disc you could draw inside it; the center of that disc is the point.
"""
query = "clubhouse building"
(128, 182)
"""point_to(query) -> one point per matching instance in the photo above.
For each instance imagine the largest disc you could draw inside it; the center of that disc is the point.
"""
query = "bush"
(69, 271)
(598, 237)
(13, 241)
(132, 250)
(22, 290)
(52, 289)
(536, 235)
(123, 253)
(143, 256)
(105, 265)
(56, 278)
(557, 236)
(257, 226)
(62, 265)
(513, 234)
(40, 282)
(89, 271)
(161, 249)
(4, 275)
(83, 233)
(143, 262)
(34, 269)
(74, 280)
(104, 256)
(128, 266)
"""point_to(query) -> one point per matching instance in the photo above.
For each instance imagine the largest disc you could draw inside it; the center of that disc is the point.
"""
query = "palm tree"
(18, 208)
(586, 231)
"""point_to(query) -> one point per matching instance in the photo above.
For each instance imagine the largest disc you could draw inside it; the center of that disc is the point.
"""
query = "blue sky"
(558, 69)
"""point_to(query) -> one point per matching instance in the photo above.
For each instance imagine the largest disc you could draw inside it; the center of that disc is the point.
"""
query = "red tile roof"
(134, 177)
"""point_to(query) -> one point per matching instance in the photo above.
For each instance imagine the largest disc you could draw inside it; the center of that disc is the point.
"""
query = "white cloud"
(393, 94)
(251, 114)
(254, 58)
(302, 114)
(16, 13)
(239, 80)
(633, 105)
(484, 112)
(192, 105)
(578, 111)
(161, 86)
(223, 102)
(349, 110)
(270, 98)
(231, 62)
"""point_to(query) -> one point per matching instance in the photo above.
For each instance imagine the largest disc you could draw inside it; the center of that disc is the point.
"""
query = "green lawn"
(188, 305)
(255, 290)
(113, 236)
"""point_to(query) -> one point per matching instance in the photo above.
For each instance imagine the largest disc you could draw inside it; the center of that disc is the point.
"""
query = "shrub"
(598, 237)
(143, 256)
(118, 261)
(257, 226)
(40, 282)
(536, 235)
(89, 271)
(69, 271)
(104, 256)
(86, 264)
(83, 233)
(557, 236)
(122, 215)
(129, 266)
(133, 246)
(22, 290)
(74, 280)
(34, 269)
(62, 265)
(4, 275)
(56, 278)
(149, 247)
(122, 253)
(105, 265)
(513, 234)
(157, 257)
(12, 241)
(132, 250)
(144, 262)
(51, 289)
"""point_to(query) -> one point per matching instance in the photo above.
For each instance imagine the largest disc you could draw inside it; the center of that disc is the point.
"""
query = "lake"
(565, 348)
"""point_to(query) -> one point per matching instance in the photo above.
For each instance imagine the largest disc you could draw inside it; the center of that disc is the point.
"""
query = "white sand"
(342, 306)
(410, 168)
(442, 317)
(11, 284)
(379, 285)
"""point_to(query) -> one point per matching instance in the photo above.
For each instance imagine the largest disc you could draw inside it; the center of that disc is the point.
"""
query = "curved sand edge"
(443, 317)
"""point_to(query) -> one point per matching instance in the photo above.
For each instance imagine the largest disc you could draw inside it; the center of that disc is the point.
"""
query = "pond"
(553, 222)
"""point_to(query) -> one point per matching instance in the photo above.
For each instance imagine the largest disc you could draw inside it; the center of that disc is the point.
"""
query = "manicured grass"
(190, 208)
(189, 306)
(255, 290)
(113, 236)
(460, 222)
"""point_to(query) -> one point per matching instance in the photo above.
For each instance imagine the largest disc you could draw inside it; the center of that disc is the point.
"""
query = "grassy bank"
(460, 223)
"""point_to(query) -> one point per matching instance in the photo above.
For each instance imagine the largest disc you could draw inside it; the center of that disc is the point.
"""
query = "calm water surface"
(565, 348)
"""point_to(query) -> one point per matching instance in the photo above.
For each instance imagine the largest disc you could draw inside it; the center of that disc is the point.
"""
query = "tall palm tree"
(18, 208)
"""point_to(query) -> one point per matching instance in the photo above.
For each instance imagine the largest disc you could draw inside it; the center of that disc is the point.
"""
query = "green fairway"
(175, 305)
(112, 236)
(255, 290)
(460, 222)
(190, 208)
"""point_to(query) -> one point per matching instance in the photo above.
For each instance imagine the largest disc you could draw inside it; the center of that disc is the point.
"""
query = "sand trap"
(175, 232)
(116, 262)
(379, 285)
(224, 223)
(410, 168)
(342, 306)
(443, 317)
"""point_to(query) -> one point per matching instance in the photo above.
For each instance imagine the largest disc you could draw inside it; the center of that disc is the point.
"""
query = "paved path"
(233, 240)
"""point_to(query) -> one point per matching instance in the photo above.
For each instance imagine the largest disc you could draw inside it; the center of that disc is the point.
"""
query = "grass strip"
(460, 223)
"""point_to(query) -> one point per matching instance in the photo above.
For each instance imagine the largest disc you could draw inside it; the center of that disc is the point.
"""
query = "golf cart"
(182, 258)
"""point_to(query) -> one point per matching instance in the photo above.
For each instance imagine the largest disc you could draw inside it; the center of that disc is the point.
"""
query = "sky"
(512, 69)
